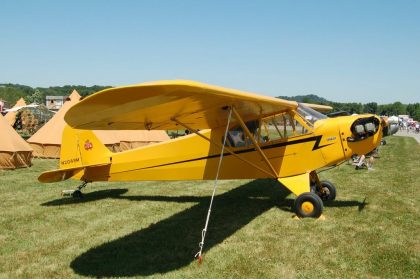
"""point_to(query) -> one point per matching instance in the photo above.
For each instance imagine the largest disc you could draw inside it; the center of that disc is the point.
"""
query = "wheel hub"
(307, 207)
(325, 192)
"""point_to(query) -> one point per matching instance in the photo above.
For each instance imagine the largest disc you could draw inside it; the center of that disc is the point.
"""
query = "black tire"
(308, 205)
(329, 192)
(77, 194)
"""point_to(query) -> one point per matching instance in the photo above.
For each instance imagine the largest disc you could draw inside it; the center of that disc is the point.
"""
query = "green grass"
(139, 229)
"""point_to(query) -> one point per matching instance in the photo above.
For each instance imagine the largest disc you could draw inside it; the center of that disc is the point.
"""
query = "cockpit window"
(310, 115)
(276, 127)
(237, 136)
(281, 126)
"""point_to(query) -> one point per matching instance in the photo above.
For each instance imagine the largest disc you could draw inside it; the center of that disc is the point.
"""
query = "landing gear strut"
(75, 193)
(324, 189)
(310, 193)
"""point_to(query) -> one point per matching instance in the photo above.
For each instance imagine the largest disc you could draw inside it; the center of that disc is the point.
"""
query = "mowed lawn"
(153, 229)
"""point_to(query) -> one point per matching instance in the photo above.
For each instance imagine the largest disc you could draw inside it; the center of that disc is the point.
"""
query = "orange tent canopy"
(11, 115)
(47, 140)
(14, 151)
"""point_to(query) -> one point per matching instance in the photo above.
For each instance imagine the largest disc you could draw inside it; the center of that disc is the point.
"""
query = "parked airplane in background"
(391, 126)
(252, 135)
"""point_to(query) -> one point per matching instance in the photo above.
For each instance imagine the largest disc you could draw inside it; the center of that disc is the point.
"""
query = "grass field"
(141, 229)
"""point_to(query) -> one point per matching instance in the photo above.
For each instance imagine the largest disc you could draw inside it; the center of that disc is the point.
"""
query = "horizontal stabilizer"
(58, 175)
(64, 174)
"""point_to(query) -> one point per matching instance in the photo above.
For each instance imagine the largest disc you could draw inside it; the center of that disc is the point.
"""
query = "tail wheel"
(308, 205)
(77, 194)
(327, 192)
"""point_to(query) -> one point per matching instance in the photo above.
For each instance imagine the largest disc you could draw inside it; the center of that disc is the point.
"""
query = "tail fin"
(82, 157)
(80, 148)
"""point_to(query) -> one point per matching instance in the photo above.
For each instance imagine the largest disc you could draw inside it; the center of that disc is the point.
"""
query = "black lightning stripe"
(316, 146)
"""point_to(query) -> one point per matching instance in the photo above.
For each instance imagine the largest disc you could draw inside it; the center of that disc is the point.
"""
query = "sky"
(344, 51)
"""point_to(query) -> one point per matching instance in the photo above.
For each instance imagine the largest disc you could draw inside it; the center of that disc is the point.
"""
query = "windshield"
(310, 115)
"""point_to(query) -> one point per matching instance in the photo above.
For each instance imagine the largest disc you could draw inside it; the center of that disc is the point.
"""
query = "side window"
(237, 136)
(281, 126)
(273, 128)
(299, 129)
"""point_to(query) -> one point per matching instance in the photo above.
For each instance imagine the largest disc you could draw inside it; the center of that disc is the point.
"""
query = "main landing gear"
(310, 204)
(326, 190)
(75, 193)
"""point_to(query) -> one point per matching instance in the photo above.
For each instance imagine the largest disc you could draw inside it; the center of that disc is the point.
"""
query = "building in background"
(55, 102)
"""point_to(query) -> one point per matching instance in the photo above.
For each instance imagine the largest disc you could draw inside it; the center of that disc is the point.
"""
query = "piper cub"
(234, 135)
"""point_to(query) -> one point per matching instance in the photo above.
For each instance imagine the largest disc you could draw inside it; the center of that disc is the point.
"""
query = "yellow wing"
(153, 105)
(320, 108)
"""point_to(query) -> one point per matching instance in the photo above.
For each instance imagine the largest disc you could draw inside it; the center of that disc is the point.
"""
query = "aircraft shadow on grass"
(171, 243)
(88, 197)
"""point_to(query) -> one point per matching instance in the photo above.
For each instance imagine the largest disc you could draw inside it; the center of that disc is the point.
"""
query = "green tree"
(306, 100)
(414, 111)
(352, 107)
(398, 108)
(384, 109)
(13, 92)
(36, 97)
(370, 107)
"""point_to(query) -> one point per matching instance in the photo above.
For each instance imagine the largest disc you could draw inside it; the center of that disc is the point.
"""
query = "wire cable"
(198, 255)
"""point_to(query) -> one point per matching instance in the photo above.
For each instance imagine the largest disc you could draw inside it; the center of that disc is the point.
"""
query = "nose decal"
(318, 141)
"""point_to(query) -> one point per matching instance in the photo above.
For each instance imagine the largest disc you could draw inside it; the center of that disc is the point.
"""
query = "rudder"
(82, 148)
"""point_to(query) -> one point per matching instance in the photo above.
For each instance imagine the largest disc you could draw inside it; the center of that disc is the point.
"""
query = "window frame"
(292, 116)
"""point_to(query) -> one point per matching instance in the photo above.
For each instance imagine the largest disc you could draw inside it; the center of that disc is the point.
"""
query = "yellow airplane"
(253, 136)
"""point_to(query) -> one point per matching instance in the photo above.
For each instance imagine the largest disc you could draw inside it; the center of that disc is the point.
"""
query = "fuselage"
(292, 145)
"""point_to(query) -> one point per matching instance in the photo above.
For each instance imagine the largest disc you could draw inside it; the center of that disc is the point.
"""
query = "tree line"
(13, 92)
(396, 108)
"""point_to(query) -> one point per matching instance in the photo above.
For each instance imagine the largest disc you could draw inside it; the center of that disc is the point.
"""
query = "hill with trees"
(13, 92)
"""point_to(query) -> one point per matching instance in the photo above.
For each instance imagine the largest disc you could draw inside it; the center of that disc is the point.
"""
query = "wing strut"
(223, 147)
(251, 137)
(203, 233)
